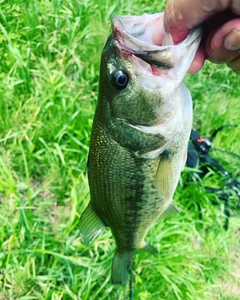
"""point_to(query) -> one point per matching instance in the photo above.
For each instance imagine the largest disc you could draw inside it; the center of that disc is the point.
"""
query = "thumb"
(183, 15)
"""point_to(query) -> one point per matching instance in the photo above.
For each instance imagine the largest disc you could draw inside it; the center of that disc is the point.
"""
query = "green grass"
(49, 69)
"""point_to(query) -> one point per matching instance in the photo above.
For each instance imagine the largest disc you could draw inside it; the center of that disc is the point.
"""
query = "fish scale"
(139, 137)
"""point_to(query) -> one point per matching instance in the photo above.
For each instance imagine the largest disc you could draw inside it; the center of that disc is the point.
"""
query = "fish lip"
(139, 48)
(120, 32)
(161, 57)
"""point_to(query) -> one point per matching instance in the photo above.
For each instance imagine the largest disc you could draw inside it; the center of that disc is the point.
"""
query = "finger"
(235, 64)
(198, 61)
(223, 45)
(182, 15)
(235, 7)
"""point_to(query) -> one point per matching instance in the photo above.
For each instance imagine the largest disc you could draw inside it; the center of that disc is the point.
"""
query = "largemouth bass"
(139, 137)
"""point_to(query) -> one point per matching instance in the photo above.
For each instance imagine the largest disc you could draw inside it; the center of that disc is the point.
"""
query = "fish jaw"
(136, 35)
(160, 69)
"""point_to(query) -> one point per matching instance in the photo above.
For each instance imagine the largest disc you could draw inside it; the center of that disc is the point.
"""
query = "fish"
(140, 133)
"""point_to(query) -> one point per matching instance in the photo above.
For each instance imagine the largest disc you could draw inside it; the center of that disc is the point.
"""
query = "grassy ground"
(49, 67)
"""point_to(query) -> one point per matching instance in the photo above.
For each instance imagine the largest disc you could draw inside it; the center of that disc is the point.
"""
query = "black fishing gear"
(199, 154)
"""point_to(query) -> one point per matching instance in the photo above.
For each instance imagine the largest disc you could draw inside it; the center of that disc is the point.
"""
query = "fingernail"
(232, 41)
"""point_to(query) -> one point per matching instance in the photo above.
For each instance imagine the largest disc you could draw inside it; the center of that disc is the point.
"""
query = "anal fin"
(172, 209)
(90, 225)
(148, 248)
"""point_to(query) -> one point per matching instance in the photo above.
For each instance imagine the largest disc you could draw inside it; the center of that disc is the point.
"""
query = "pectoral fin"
(90, 225)
(164, 178)
(164, 184)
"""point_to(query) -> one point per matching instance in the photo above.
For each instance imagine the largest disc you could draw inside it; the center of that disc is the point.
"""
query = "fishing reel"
(199, 151)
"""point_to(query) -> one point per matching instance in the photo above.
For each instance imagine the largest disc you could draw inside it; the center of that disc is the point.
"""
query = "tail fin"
(90, 225)
(122, 263)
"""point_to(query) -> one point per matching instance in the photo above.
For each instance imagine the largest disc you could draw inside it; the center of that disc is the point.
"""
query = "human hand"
(221, 23)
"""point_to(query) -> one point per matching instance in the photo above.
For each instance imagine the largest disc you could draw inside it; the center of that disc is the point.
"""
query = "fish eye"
(120, 79)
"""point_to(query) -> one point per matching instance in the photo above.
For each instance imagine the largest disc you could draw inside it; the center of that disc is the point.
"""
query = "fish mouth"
(150, 57)
(137, 36)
